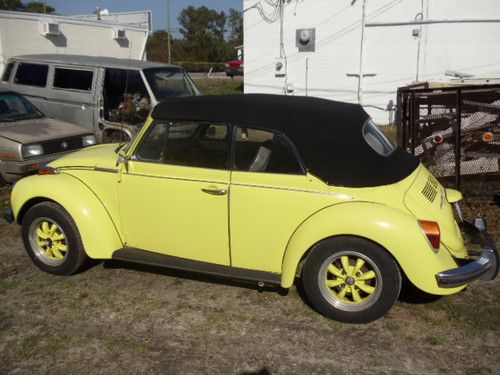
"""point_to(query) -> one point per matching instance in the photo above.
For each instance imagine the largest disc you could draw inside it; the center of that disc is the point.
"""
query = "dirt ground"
(119, 318)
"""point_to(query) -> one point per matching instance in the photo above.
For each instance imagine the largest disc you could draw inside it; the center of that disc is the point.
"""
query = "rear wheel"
(52, 240)
(351, 279)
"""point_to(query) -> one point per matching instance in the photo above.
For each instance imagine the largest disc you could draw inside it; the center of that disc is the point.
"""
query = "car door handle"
(213, 190)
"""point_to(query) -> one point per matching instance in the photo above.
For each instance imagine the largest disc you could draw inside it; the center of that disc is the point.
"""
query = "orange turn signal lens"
(47, 170)
(432, 232)
(7, 156)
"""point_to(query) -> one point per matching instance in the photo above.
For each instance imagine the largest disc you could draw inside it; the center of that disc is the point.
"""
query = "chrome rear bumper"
(483, 268)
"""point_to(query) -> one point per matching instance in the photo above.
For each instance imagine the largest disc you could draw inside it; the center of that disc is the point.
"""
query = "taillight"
(47, 170)
(432, 232)
(437, 139)
(487, 137)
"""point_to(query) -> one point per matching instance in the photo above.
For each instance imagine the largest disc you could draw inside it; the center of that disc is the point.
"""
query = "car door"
(271, 195)
(71, 96)
(174, 192)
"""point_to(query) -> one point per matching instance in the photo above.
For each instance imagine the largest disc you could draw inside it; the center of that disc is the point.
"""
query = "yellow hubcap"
(51, 240)
(351, 279)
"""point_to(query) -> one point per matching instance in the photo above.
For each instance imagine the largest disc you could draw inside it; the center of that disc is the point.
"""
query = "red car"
(235, 67)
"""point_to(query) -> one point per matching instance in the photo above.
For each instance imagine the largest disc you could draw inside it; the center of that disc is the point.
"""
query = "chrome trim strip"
(108, 170)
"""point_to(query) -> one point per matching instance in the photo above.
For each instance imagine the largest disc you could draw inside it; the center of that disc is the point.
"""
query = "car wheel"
(351, 279)
(52, 240)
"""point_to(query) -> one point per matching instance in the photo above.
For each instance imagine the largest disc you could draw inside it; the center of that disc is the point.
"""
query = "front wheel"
(52, 240)
(351, 279)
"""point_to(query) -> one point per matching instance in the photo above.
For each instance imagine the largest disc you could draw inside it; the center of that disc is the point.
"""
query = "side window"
(191, 144)
(7, 72)
(31, 74)
(126, 98)
(264, 151)
(73, 79)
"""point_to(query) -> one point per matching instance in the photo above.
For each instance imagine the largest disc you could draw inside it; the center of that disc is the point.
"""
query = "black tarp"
(327, 134)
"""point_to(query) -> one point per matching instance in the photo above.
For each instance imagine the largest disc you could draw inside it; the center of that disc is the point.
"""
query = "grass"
(216, 86)
(4, 199)
(433, 340)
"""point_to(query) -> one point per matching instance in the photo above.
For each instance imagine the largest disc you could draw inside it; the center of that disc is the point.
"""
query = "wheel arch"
(394, 230)
(99, 234)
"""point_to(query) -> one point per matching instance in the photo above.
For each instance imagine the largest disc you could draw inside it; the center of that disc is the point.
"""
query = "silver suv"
(110, 97)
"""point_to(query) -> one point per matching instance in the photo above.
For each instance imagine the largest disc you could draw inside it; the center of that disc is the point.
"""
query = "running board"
(150, 258)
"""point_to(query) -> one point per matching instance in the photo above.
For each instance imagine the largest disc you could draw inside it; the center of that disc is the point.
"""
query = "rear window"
(6, 73)
(376, 139)
(73, 79)
(32, 74)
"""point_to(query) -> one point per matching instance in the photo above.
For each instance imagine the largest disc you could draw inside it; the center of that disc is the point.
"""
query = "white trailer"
(363, 50)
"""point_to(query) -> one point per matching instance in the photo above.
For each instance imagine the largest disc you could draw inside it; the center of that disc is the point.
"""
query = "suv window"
(192, 144)
(6, 73)
(264, 151)
(31, 74)
(126, 98)
(73, 79)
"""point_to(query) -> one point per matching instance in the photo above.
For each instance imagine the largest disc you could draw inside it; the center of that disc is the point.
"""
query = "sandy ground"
(119, 318)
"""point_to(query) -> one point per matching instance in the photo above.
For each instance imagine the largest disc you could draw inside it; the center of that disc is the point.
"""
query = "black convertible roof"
(327, 134)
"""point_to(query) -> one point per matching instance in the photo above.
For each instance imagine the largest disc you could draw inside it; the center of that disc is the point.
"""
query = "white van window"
(125, 96)
(31, 74)
(6, 73)
(73, 79)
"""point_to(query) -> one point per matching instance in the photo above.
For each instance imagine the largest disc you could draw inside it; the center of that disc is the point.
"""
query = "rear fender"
(97, 230)
(396, 231)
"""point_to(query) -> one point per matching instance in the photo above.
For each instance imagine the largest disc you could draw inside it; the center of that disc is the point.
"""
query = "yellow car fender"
(396, 231)
(97, 230)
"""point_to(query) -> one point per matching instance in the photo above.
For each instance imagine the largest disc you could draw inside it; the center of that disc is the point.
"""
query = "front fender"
(395, 230)
(97, 230)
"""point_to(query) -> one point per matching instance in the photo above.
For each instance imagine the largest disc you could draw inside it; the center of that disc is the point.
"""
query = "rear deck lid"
(426, 199)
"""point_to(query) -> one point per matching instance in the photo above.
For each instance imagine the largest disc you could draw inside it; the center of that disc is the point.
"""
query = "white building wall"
(390, 51)
(20, 35)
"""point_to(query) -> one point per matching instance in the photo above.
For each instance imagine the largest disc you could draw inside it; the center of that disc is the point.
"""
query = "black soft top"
(327, 134)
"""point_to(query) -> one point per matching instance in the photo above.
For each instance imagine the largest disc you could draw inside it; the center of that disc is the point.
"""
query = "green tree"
(235, 21)
(38, 7)
(11, 5)
(156, 47)
(203, 30)
(33, 6)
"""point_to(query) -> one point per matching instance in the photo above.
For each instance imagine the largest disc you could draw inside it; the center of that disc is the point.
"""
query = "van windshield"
(14, 107)
(170, 83)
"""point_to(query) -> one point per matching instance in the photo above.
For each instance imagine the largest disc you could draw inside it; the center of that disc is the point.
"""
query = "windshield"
(376, 139)
(169, 83)
(14, 107)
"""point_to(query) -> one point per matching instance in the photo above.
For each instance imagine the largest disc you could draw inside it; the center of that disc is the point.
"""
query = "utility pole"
(362, 54)
(169, 33)
(360, 75)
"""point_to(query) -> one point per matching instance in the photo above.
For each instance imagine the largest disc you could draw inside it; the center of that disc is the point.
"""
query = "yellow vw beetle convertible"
(263, 188)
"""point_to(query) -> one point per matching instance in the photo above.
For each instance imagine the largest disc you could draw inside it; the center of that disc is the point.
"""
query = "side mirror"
(123, 159)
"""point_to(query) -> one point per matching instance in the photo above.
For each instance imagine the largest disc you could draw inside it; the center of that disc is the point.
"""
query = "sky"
(158, 7)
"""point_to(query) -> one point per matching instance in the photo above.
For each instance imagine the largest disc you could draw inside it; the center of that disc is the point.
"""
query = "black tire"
(74, 257)
(375, 295)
